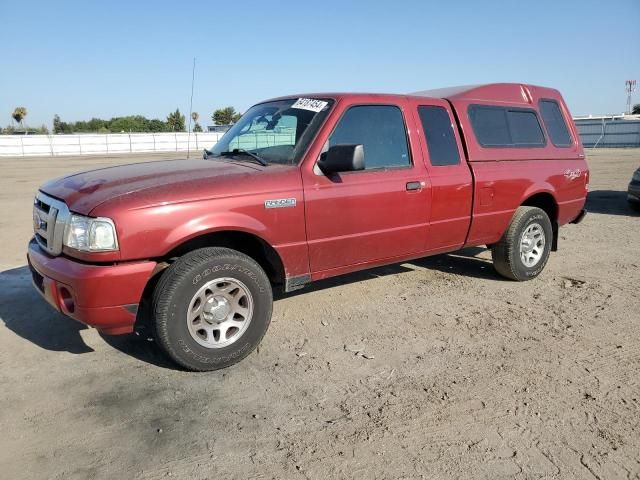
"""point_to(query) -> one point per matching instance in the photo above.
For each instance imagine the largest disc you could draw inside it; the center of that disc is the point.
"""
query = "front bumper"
(633, 193)
(102, 296)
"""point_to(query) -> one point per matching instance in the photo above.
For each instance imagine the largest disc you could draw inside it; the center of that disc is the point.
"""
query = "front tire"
(211, 308)
(523, 251)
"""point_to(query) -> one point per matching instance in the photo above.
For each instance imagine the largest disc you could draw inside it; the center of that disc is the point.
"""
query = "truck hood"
(149, 182)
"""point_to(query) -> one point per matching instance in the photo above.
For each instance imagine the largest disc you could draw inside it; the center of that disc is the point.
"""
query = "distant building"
(218, 128)
(609, 130)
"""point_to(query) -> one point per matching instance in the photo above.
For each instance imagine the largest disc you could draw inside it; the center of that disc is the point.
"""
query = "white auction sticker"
(309, 104)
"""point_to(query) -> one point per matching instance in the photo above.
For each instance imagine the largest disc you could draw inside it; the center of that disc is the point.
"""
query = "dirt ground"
(465, 375)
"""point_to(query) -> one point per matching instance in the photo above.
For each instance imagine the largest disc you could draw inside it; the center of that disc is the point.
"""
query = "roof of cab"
(336, 95)
(496, 92)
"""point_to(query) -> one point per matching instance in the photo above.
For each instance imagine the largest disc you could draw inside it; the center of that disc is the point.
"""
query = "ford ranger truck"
(304, 188)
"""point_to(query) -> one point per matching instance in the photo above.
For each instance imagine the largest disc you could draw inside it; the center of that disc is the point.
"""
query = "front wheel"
(211, 308)
(523, 251)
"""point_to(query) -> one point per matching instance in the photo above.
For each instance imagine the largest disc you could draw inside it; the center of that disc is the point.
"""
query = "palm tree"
(18, 115)
(195, 116)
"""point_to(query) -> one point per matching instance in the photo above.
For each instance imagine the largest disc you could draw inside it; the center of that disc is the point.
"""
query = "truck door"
(373, 214)
(451, 180)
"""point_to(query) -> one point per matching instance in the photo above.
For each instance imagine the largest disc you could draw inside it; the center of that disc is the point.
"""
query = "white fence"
(621, 131)
(100, 144)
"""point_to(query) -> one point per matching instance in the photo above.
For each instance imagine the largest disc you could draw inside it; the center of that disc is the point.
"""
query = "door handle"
(414, 186)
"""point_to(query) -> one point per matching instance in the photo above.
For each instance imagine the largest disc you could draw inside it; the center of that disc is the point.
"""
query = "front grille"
(50, 218)
(41, 205)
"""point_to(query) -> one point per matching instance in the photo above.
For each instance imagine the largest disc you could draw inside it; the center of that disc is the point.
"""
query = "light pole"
(193, 77)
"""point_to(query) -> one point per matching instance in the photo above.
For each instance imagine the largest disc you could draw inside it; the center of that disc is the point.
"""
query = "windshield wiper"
(240, 151)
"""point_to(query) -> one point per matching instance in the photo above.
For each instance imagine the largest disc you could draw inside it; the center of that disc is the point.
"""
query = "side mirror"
(342, 158)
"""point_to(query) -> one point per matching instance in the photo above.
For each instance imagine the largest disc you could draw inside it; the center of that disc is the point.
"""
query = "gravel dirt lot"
(464, 375)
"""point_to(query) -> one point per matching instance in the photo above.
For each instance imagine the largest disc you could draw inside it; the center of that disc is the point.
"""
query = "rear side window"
(441, 142)
(506, 127)
(380, 130)
(525, 128)
(554, 123)
(490, 126)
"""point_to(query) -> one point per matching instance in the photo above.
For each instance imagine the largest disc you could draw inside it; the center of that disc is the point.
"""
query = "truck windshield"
(276, 132)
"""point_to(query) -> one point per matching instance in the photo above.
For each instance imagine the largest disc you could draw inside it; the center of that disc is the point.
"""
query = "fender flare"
(216, 222)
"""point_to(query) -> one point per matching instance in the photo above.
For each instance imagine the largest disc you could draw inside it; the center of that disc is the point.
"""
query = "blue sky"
(83, 59)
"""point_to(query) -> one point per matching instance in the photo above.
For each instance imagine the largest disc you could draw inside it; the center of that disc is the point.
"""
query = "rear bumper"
(580, 217)
(102, 296)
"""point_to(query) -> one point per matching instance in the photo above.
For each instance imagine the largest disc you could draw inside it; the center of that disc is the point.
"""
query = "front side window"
(278, 132)
(441, 142)
(380, 130)
(506, 127)
(555, 124)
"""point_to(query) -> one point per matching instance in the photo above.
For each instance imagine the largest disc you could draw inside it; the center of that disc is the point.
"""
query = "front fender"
(215, 222)
(155, 231)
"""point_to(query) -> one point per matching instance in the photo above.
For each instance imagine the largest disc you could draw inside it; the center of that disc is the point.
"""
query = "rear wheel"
(523, 251)
(211, 308)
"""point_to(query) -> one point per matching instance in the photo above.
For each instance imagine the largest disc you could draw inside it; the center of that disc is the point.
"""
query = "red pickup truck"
(303, 188)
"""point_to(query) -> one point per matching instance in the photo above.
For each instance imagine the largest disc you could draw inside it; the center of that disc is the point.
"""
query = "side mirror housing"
(342, 158)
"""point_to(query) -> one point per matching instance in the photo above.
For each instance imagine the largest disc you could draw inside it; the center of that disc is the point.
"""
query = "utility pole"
(193, 77)
(629, 86)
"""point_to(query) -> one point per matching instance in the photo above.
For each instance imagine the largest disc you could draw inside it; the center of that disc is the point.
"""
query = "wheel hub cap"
(216, 309)
(220, 312)
(532, 245)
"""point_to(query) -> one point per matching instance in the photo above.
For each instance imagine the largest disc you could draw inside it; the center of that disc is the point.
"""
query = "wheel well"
(546, 202)
(251, 245)
(243, 242)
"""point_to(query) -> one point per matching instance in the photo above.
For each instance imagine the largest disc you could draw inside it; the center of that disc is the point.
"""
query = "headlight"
(90, 234)
(636, 176)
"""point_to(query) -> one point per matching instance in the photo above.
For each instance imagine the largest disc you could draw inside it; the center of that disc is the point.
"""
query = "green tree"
(225, 116)
(155, 125)
(175, 121)
(636, 109)
(96, 125)
(61, 127)
(57, 127)
(130, 123)
(18, 115)
(197, 127)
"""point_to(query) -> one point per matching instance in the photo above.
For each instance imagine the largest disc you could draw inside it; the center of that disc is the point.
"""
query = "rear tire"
(523, 251)
(211, 308)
